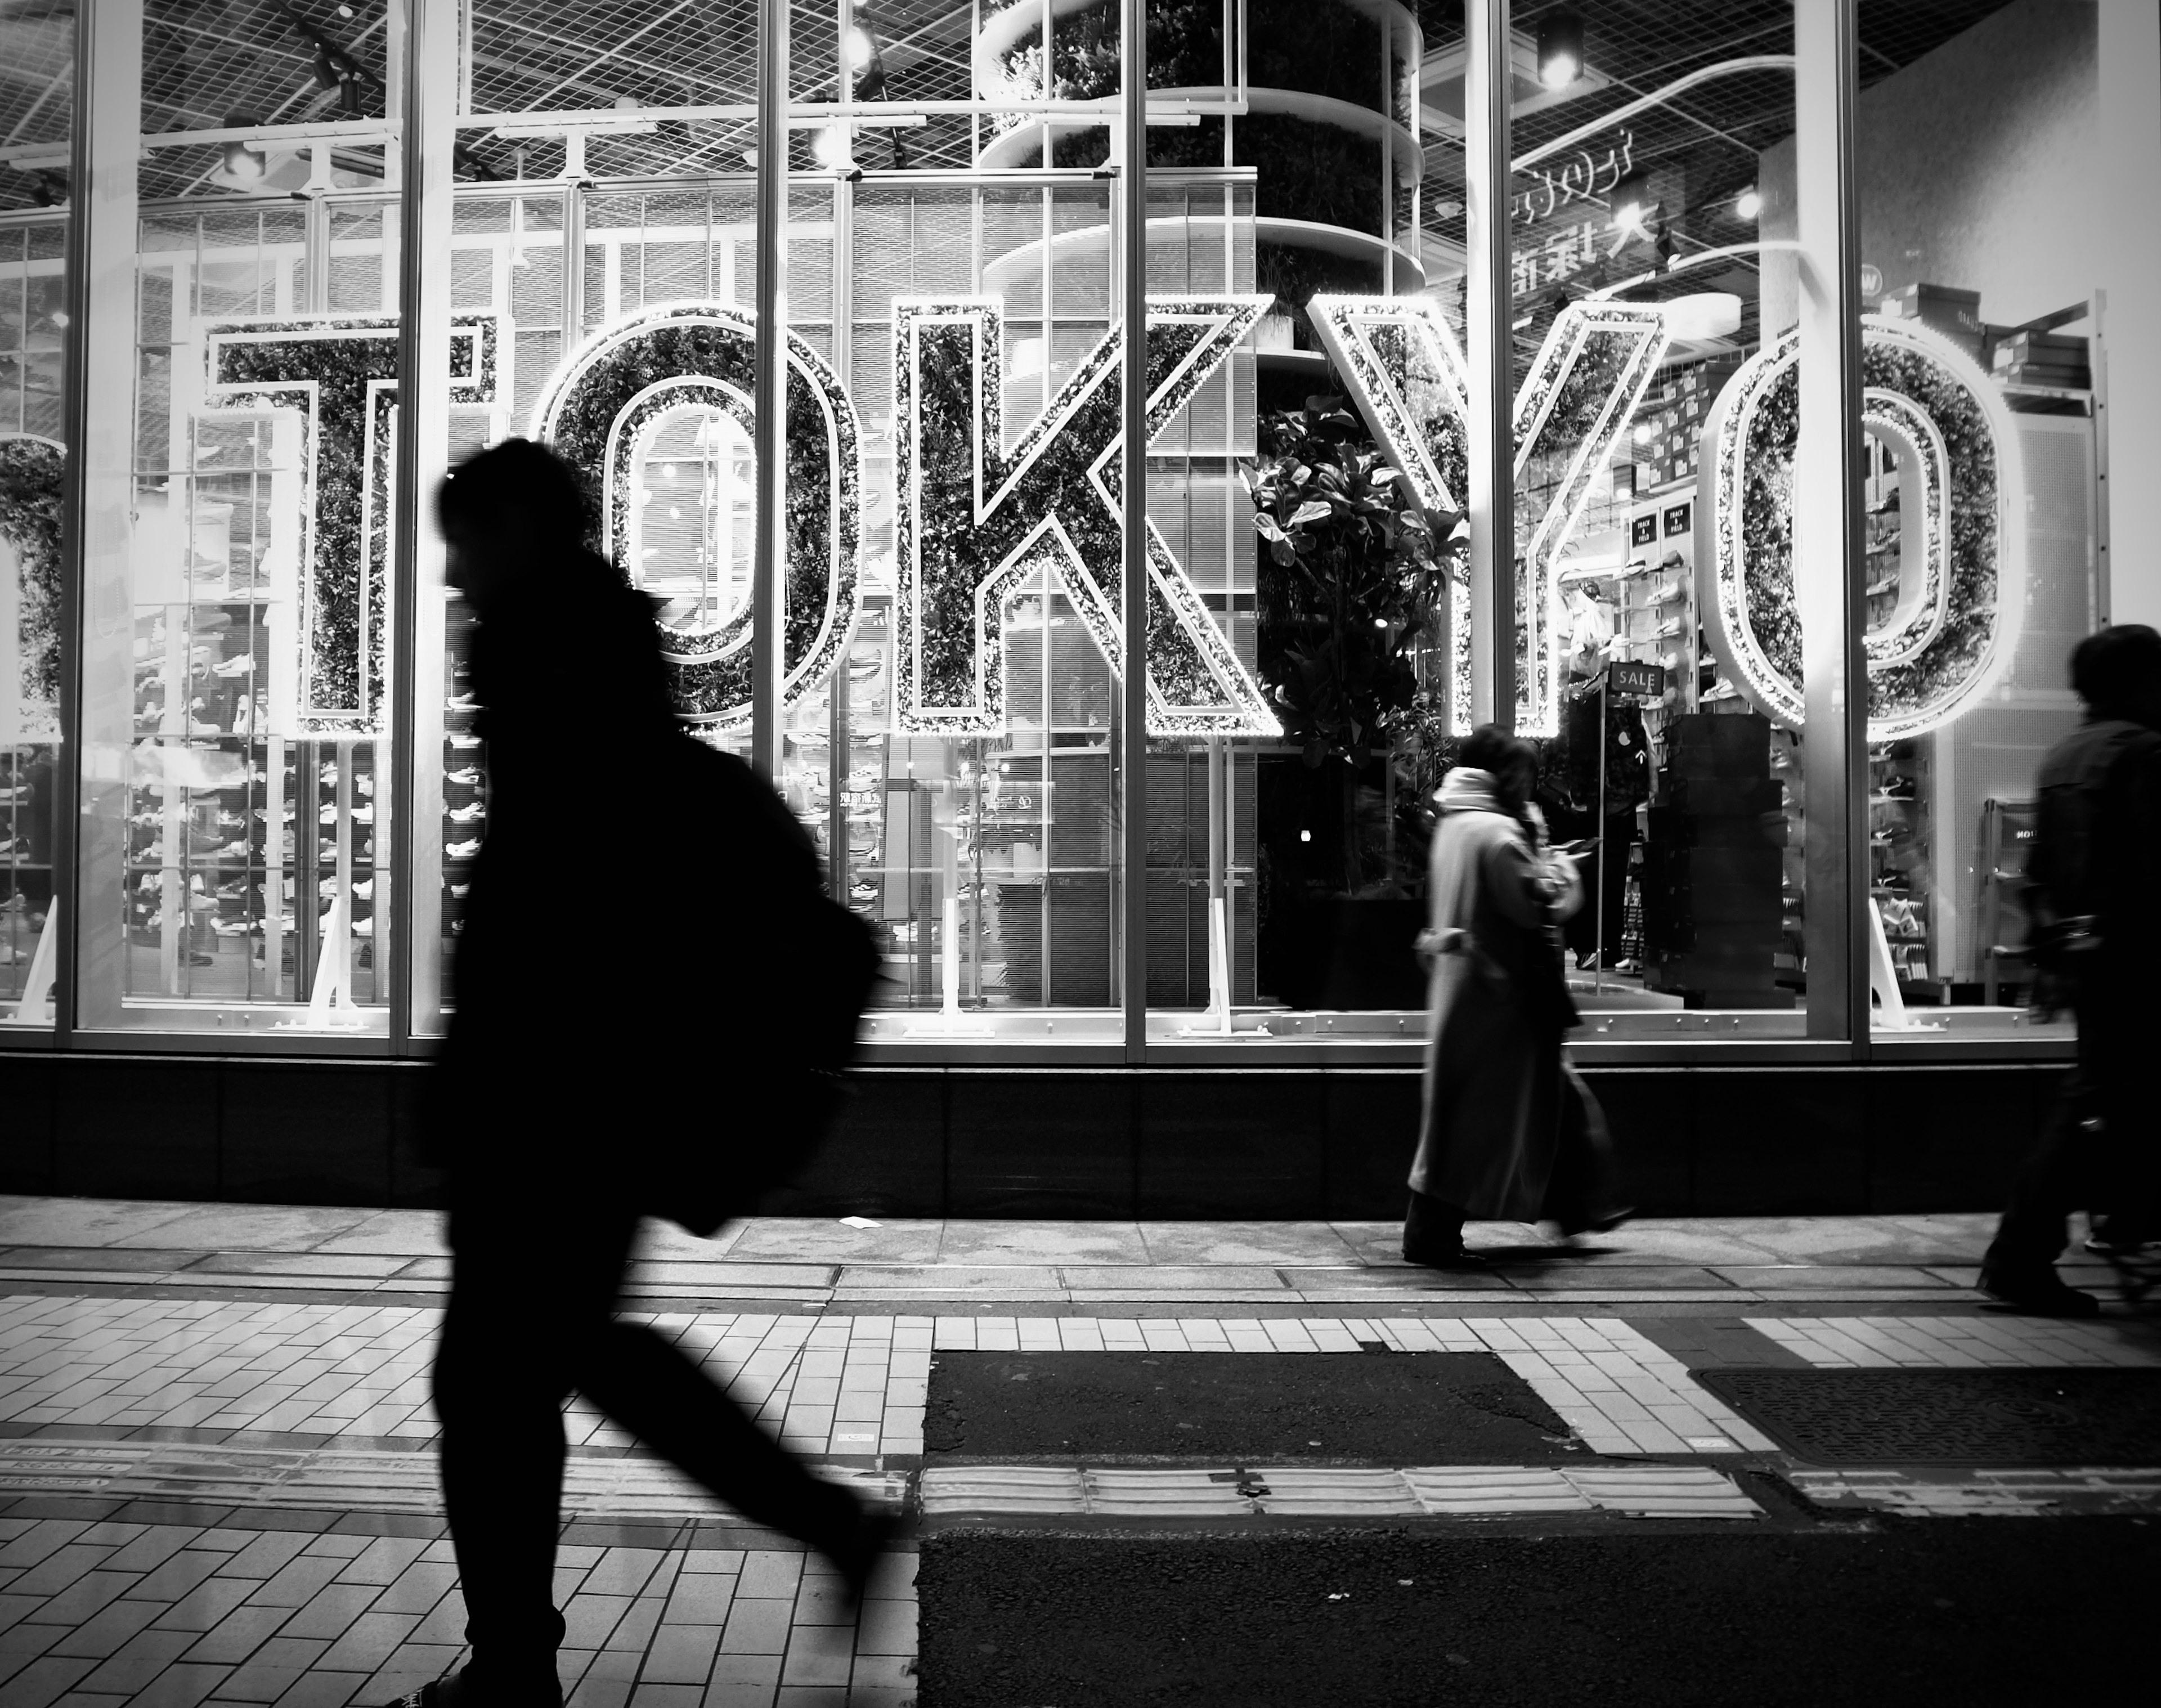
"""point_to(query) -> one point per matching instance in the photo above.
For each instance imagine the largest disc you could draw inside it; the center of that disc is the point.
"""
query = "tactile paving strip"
(1642, 1492)
(348, 1479)
(2004, 1417)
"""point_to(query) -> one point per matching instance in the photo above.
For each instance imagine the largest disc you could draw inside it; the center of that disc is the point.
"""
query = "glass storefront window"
(1983, 541)
(954, 728)
(33, 318)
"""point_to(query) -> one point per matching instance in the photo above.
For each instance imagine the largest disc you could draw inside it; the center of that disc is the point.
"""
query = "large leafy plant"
(1347, 589)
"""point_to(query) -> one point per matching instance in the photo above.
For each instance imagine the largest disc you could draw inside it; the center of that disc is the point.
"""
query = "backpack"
(807, 968)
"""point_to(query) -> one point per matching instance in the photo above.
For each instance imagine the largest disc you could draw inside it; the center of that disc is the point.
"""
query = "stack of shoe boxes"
(1955, 314)
(1711, 906)
(2055, 360)
(1667, 454)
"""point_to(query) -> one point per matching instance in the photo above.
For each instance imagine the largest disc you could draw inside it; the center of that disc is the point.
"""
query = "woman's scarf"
(1469, 790)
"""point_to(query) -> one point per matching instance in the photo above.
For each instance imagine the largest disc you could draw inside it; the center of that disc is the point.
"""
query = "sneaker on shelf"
(463, 850)
(1721, 690)
(472, 813)
(467, 775)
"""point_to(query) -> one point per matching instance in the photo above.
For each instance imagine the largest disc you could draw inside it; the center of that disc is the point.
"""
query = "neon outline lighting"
(600, 408)
(1403, 366)
(1951, 646)
(950, 677)
(259, 365)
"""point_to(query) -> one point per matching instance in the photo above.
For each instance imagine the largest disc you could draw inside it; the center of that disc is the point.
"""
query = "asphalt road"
(1910, 1613)
(1245, 1408)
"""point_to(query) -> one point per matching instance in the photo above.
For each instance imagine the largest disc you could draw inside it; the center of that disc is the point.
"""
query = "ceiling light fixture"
(243, 163)
(830, 147)
(1749, 203)
(1631, 201)
(1561, 47)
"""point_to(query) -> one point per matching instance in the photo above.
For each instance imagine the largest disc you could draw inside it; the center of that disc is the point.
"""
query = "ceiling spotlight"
(900, 161)
(1631, 201)
(324, 69)
(1749, 203)
(830, 147)
(245, 162)
(1561, 47)
(861, 49)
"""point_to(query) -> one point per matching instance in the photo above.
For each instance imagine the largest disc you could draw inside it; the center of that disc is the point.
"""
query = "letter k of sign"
(975, 526)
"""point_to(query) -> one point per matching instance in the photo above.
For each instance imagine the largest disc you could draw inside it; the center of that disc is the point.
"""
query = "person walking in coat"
(2096, 875)
(1497, 1097)
(564, 1113)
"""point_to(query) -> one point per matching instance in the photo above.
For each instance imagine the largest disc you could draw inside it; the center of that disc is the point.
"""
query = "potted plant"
(1346, 589)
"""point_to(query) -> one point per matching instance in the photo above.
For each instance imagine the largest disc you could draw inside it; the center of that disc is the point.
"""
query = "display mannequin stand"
(333, 986)
(1215, 1020)
(1892, 1015)
(38, 984)
(951, 1021)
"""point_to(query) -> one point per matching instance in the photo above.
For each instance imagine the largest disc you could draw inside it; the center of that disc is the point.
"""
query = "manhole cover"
(1952, 1417)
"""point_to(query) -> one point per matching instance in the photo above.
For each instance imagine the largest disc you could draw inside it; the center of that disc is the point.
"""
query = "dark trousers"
(534, 1279)
(2098, 1151)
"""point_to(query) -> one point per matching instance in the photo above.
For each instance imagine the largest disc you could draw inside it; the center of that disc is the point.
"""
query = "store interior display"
(952, 558)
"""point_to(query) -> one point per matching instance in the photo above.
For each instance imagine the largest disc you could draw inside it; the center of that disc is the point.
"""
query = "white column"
(1829, 568)
(2130, 165)
(770, 385)
(1487, 145)
(98, 703)
(1131, 248)
(411, 953)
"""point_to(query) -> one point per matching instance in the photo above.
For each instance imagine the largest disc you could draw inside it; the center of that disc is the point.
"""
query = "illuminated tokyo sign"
(974, 525)
(1961, 576)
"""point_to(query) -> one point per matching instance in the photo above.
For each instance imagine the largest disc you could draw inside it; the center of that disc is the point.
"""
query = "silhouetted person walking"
(611, 1036)
(2094, 902)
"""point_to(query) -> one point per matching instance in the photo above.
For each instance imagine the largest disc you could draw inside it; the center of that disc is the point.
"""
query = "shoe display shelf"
(26, 867)
(1901, 858)
(234, 838)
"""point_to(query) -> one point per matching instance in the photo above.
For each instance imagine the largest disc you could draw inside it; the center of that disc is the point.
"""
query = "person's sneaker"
(2043, 1295)
(1603, 1224)
(1439, 1257)
(2113, 1237)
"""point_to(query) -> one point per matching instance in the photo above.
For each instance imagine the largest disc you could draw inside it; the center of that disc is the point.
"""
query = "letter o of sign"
(601, 414)
(1961, 576)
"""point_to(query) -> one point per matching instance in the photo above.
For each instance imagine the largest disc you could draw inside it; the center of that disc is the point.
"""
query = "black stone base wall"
(1260, 1144)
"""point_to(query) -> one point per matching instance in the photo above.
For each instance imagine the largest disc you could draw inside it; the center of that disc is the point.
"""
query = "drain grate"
(1952, 1417)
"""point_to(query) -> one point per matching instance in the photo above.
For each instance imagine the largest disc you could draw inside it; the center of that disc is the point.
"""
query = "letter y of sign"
(1411, 384)
(975, 526)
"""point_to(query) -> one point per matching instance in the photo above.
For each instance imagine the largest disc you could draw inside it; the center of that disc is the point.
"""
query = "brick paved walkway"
(216, 1464)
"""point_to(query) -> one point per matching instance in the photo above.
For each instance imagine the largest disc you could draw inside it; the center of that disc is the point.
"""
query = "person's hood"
(1469, 790)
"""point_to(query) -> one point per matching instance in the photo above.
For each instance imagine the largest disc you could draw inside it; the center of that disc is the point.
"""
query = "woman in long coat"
(1490, 1127)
